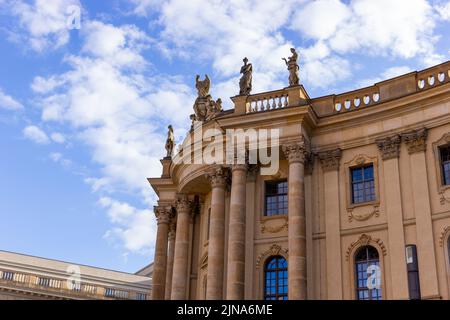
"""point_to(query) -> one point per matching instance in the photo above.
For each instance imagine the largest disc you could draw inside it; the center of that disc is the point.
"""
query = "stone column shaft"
(216, 244)
(180, 261)
(297, 225)
(390, 151)
(236, 235)
(330, 166)
(170, 257)
(160, 261)
(416, 143)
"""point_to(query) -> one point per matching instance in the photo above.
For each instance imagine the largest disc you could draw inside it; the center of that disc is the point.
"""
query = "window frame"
(363, 181)
(442, 163)
(359, 211)
(357, 288)
(277, 270)
(278, 181)
(442, 189)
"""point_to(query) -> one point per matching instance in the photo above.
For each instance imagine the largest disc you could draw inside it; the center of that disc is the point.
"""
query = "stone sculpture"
(293, 68)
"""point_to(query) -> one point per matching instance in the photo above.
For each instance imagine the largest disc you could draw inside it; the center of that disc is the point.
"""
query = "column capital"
(389, 147)
(295, 151)
(183, 204)
(415, 140)
(218, 176)
(163, 214)
(330, 159)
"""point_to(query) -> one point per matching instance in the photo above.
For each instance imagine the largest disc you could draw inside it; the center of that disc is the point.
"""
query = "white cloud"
(8, 102)
(44, 23)
(443, 10)
(36, 135)
(58, 137)
(401, 28)
(135, 228)
(59, 158)
(320, 19)
(121, 112)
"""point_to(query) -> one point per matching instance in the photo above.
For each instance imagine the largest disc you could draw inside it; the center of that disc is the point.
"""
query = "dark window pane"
(276, 198)
(365, 258)
(276, 281)
(363, 184)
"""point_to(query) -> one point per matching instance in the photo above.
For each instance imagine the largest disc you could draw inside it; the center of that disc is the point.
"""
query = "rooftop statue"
(170, 142)
(293, 68)
(245, 83)
(202, 86)
(205, 108)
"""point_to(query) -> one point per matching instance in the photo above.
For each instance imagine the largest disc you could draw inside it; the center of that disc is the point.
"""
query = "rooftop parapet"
(367, 97)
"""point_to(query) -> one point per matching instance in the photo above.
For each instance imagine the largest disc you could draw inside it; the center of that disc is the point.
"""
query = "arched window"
(368, 274)
(276, 279)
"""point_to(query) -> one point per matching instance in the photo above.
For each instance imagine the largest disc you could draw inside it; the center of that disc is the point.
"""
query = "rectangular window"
(276, 198)
(363, 184)
(445, 164)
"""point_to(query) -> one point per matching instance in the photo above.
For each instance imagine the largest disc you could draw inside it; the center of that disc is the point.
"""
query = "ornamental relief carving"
(363, 214)
(416, 140)
(444, 235)
(274, 225)
(204, 261)
(365, 240)
(330, 159)
(389, 147)
(274, 250)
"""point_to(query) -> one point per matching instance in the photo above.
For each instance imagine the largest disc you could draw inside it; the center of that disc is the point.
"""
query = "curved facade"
(358, 208)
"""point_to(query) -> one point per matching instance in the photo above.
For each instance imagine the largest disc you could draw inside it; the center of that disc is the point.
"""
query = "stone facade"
(223, 238)
(24, 277)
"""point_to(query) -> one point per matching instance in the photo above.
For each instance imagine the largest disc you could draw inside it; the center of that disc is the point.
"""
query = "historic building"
(24, 277)
(359, 207)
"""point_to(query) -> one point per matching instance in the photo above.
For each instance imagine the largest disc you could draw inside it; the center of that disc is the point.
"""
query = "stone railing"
(271, 100)
(357, 99)
(267, 101)
(383, 91)
(60, 287)
(433, 77)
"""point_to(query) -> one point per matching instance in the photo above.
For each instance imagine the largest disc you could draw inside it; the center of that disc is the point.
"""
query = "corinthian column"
(214, 283)
(159, 267)
(180, 261)
(295, 152)
(330, 167)
(170, 256)
(236, 234)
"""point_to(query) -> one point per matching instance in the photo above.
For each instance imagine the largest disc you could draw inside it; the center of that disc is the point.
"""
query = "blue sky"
(83, 111)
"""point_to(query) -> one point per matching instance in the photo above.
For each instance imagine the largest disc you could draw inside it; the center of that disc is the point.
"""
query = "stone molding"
(274, 250)
(365, 240)
(444, 235)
